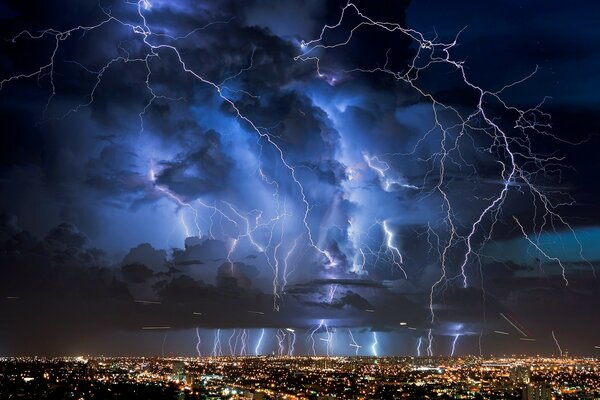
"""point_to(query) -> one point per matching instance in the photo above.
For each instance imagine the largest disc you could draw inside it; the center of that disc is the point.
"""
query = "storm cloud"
(190, 171)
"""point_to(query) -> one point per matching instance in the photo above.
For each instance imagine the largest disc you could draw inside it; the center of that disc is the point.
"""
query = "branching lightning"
(518, 166)
(328, 339)
(291, 341)
(280, 336)
(244, 343)
(160, 45)
(216, 351)
(430, 343)
(353, 343)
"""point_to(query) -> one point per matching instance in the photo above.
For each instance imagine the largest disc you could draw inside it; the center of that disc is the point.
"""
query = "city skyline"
(302, 377)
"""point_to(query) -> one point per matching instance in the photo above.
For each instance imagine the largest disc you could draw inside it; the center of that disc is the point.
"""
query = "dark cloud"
(353, 300)
(203, 170)
(136, 272)
(145, 254)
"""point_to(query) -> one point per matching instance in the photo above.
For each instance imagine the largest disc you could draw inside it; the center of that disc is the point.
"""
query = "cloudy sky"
(318, 177)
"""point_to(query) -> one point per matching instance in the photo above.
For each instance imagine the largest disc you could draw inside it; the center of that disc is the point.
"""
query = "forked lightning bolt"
(509, 144)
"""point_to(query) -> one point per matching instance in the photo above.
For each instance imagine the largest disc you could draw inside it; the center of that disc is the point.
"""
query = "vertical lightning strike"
(198, 342)
(185, 227)
(244, 343)
(275, 268)
(216, 351)
(419, 346)
(328, 339)
(430, 343)
(280, 336)
(353, 233)
(291, 341)
(234, 243)
(259, 342)
(389, 242)
(557, 344)
(286, 269)
(374, 345)
(311, 337)
(454, 344)
(275, 264)
(357, 267)
(353, 342)
(233, 344)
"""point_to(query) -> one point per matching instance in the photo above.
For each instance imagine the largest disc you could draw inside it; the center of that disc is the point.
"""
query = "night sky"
(374, 178)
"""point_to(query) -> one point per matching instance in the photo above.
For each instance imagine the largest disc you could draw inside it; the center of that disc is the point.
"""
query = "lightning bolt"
(152, 47)
(198, 342)
(311, 337)
(562, 267)
(419, 346)
(374, 345)
(353, 342)
(518, 165)
(328, 339)
(216, 351)
(280, 336)
(179, 201)
(356, 266)
(286, 265)
(381, 167)
(234, 243)
(244, 343)
(233, 342)
(259, 342)
(557, 344)
(430, 343)
(454, 344)
(291, 341)
(389, 241)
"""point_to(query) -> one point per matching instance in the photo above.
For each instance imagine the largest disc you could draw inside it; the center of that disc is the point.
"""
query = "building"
(537, 392)
(178, 371)
(520, 375)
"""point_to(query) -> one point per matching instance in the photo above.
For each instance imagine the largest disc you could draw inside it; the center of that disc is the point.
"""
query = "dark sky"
(234, 170)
